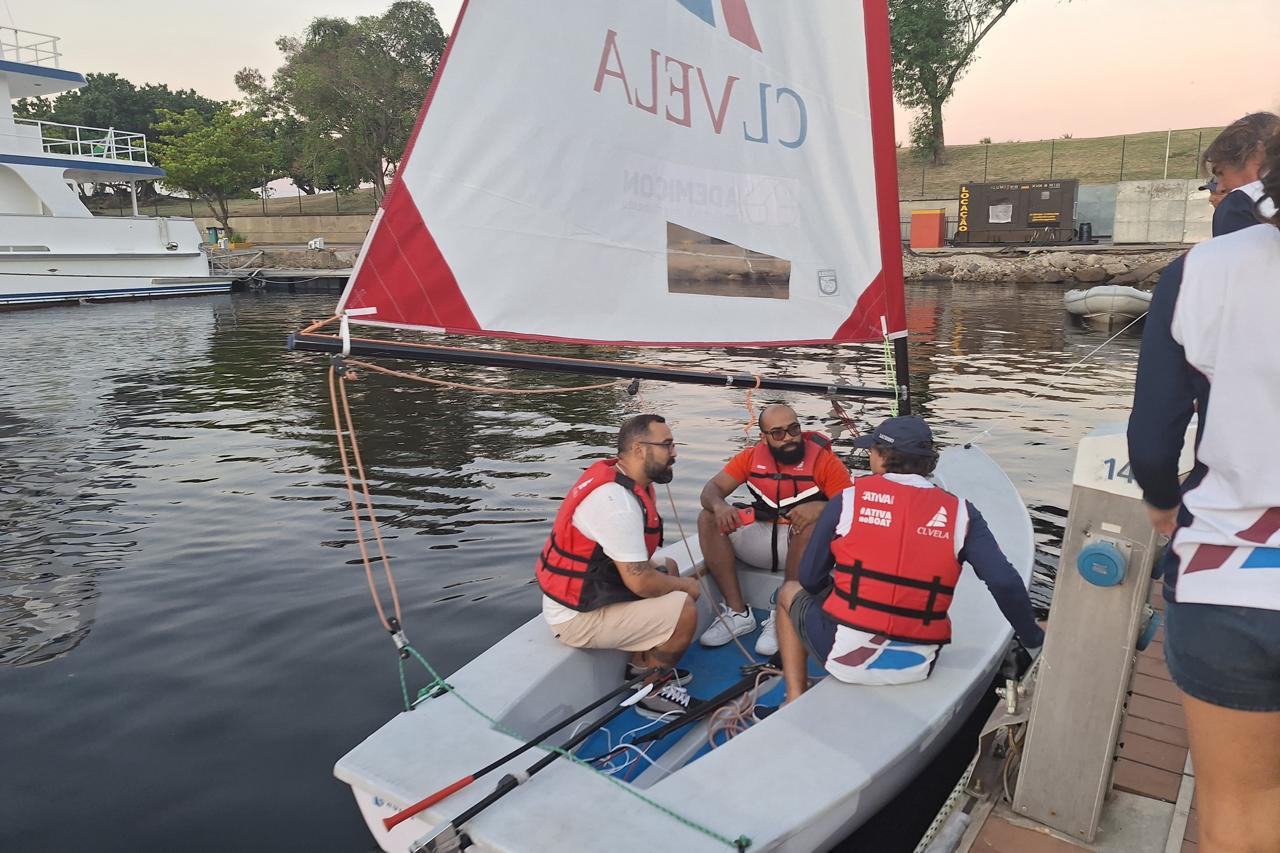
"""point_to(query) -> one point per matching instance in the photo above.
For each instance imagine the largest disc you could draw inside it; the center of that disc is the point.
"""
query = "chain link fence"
(1104, 160)
(299, 204)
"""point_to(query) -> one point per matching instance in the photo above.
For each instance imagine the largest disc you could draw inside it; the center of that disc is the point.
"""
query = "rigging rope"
(702, 580)
(1053, 385)
(891, 376)
(343, 423)
(344, 429)
(751, 409)
(486, 389)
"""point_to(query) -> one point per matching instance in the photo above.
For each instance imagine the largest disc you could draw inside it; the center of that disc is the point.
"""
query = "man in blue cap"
(877, 577)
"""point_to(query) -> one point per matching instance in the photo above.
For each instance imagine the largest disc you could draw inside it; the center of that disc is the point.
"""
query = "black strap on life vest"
(926, 615)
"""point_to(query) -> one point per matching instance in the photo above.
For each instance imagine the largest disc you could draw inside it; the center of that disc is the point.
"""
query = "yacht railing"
(29, 48)
(104, 143)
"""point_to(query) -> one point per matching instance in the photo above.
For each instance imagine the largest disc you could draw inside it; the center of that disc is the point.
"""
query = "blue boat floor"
(714, 670)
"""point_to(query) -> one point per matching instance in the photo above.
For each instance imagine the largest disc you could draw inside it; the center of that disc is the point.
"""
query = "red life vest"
(777, 488)
(572, 568)
(896, 564)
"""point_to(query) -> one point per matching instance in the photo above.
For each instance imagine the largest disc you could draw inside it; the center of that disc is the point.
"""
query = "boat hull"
(25, 290)
(1108, 303)
(800, 781)
(51, 260)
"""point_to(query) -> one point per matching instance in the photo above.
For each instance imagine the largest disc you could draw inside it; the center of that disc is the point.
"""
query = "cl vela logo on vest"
(896, 567)
(737, 18)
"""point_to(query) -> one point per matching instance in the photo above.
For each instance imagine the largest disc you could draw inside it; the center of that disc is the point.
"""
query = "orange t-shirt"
(829, 473)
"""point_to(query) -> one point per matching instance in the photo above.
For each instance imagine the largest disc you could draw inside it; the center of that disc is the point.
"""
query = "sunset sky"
(1084, 67)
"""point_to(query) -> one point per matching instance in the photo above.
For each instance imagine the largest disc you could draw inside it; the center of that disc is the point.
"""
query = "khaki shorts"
(633, 626)
(753, 544)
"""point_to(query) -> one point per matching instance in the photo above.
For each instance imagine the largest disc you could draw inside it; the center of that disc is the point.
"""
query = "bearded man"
(790, 475)
(601, 587)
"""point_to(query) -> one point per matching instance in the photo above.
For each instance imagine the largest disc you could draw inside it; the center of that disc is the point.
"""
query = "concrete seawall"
(342, 229)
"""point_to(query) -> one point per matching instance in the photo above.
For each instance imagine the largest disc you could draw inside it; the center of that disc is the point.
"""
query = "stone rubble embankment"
(1027, 267)
(1041, 267)
(306, 259)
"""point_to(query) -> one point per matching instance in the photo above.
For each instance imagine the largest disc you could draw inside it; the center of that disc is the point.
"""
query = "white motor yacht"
(52, 248)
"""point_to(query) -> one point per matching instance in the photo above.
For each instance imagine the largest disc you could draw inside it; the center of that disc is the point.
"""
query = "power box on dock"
(1022, 212)
(1099, 619)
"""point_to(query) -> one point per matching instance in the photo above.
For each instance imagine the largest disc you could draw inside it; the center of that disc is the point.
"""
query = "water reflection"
(178, 553)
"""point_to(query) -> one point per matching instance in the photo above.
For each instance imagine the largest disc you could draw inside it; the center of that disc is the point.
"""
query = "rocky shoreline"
(1041, 267)
(1045, 266)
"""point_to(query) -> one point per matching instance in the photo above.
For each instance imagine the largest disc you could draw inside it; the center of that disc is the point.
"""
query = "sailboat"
(668, 172)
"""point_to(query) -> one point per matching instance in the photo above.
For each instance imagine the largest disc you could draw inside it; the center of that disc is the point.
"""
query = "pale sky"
(1084, 67)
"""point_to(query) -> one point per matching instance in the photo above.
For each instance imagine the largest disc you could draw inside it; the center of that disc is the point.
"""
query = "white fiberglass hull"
(799, 781)
(28, 289)
(45, 259)
(1108, 302)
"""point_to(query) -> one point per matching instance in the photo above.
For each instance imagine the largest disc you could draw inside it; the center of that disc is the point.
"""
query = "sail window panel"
(701, 264)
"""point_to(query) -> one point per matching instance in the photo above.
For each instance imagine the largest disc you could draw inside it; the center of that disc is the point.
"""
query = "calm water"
(186, 641)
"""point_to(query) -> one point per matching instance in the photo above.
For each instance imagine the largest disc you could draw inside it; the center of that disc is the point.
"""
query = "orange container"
(928, 229)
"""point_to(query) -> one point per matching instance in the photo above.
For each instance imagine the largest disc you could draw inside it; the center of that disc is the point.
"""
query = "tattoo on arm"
(635, 568)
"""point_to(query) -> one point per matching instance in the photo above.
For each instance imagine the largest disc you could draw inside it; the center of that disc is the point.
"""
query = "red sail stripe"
(738, 19)
(1208, 557)
(407, 264)
(1264, 528)
(884, 296)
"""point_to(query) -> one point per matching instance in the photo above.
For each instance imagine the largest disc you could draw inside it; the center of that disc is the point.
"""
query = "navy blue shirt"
(1167, 391)
(980, 550)
(1235, 211)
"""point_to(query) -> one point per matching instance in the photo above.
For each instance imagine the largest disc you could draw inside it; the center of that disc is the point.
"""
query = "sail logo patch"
(737, 18)
(939, 518)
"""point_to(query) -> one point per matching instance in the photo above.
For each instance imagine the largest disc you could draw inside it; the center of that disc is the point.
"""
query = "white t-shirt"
(611, 516)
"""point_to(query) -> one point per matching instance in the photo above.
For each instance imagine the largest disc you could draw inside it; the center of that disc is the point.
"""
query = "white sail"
(665, 171)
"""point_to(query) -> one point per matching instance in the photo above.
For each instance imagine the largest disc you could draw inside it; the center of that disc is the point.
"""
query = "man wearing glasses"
(790, 475)
(601, 587)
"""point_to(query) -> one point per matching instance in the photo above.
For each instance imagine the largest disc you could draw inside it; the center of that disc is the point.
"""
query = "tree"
(355, 87)
(214, 160)
(109, 101)
(934, 43)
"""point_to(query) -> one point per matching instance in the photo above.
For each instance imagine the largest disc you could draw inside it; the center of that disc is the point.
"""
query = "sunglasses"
(779, 433)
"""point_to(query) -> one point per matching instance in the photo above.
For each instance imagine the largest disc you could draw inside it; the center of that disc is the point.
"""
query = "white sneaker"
(672, 701)
(728, 625)
(767, 642)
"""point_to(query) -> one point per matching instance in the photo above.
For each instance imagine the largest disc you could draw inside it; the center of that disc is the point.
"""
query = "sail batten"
(712, 175)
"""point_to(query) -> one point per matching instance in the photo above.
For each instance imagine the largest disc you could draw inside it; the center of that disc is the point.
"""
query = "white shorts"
(753, 544)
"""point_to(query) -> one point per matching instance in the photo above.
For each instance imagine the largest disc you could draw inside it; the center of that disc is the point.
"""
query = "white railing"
(104, 143)
(28, 47)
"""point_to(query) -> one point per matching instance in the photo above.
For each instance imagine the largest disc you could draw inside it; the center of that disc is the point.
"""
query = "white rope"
(1062, 376)
(706, 588)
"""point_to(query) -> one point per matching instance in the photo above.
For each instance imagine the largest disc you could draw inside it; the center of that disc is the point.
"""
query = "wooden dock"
(1151, 808)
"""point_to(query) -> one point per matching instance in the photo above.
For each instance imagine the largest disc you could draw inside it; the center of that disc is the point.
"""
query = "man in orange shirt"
(790, 474)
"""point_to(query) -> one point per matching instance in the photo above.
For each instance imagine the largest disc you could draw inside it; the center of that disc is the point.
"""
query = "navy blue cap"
(905, 434)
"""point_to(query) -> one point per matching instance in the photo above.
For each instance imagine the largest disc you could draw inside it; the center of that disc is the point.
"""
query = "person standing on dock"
(1210, 348)
(601, 587)
(790, 474)
(877, 577)
(1235, 159)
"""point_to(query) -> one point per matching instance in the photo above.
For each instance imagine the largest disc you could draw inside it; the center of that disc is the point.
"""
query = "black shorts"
(817, 629)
